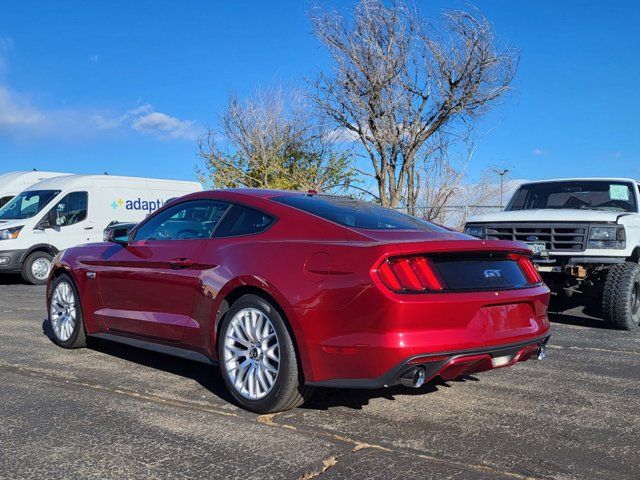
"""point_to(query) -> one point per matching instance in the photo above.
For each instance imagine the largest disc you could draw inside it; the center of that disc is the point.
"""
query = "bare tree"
(404, 87)
(272, 140)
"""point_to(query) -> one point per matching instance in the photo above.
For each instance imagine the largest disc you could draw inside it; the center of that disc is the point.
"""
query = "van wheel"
(621, 296)
(65, 314)
(36, 268)
(257, 358)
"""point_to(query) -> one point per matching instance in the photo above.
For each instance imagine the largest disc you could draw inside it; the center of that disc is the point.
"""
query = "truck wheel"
(36, 268)
(621, 296)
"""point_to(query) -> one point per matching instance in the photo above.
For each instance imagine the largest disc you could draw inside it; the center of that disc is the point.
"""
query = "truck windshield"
(27, 204)
(581, 195)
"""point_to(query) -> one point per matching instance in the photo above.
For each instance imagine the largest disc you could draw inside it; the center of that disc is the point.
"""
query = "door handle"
(181, 263)
(88, 228)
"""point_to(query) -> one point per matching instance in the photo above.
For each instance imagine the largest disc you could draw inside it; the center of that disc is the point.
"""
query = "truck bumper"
(11, 261)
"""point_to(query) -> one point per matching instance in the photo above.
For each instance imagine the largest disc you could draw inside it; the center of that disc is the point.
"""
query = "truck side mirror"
(118, 235)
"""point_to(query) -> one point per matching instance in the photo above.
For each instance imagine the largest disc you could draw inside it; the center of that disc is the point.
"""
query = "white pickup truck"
(585, 236)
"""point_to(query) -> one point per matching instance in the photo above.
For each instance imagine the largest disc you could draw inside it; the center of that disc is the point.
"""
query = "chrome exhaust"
(414, 377)
(542, 351)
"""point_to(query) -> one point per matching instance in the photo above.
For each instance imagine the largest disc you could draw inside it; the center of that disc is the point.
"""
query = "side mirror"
(48, 221)
(52, 218)
(118, 235)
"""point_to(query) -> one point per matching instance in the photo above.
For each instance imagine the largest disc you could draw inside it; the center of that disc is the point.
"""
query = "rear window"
(355, 213)
(242, 221)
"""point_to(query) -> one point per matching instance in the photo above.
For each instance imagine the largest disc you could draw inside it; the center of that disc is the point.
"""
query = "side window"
(71, 209)
(4, 201)
(242, 221)
(195, 219)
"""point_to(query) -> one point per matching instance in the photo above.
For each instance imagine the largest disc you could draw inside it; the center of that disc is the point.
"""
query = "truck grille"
(561, 237)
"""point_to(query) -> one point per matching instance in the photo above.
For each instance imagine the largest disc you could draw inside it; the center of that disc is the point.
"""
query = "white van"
(70, 210)
(13, 183)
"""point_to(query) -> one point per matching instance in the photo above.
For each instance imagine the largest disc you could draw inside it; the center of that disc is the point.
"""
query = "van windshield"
(27, 204)
(577, 195)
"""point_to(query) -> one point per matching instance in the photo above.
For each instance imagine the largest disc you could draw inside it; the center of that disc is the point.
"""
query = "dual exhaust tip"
(414, 377)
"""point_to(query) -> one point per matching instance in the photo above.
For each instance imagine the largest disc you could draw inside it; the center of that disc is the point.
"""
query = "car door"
(148, 285)
(71, 227)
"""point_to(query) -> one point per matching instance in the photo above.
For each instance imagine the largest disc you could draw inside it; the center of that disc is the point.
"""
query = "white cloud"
(538, 152)
(342, 135)
(165, 127)
(146, 120)
(16, 111)
(22, 118)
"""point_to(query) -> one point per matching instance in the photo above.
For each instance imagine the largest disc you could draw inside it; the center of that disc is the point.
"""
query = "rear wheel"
(257, 358)
(65, 314)
(36, 268)
(621, 296)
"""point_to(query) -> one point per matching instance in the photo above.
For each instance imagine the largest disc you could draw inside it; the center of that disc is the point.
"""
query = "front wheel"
(621, 296)
(65, 314)
(257, 358)
(36, 268)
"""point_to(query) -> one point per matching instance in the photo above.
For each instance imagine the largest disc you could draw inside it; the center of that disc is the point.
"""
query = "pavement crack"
(358, 445)
(327, 463)
(267, 419)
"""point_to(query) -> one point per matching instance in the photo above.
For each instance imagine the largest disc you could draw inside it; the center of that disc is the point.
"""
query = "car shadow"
(209, 377)
(356, 399)
(206, 375)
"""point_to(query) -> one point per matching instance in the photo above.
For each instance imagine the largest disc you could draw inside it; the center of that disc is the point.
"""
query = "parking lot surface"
(112, 411)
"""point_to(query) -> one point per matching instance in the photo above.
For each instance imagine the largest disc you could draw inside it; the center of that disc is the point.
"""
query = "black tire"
(289, 390)
(27, 267)
(78, 337)
(621, 296)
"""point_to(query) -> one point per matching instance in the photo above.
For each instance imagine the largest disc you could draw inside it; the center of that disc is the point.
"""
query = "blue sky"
(126, 86)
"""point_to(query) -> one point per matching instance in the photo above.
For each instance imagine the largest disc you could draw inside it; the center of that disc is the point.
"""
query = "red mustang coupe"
(287, 291)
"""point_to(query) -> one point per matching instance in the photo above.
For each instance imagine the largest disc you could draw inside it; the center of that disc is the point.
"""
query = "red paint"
(342, 303)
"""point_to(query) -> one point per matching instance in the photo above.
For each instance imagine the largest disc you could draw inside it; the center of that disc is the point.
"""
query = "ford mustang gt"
(289, 291)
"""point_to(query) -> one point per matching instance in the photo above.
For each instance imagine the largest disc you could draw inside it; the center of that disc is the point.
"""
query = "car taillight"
(409, 274)
(527, 267)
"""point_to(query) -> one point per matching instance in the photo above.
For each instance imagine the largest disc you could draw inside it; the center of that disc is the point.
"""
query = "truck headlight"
(607, 237)
(474, 230)
(10, 233)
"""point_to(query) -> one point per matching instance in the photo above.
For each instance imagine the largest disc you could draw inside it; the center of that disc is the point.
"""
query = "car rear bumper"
(447, 365)
(369, 340)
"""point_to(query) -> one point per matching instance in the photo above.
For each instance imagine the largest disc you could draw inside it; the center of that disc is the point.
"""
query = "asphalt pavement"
(112, 411)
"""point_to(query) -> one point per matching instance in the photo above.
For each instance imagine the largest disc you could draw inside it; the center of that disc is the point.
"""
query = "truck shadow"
(588, 315)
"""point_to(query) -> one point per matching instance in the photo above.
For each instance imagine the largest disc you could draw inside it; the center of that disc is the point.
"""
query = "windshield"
(355, 213)
(27, 204)
(581, 195)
